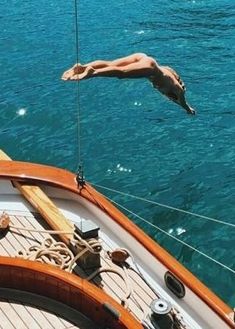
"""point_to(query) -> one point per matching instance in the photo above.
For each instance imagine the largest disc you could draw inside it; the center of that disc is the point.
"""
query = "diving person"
(139, 65)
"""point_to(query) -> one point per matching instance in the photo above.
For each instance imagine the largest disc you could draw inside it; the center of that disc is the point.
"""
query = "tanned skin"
(135, 66)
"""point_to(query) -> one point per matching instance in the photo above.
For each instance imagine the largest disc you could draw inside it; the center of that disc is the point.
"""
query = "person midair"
(135, 66)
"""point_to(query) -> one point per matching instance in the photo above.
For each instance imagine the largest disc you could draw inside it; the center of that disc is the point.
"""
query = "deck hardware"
(160, 316)
(80, 177)
(4, 223)
(86, 229)
(119, 255)
(174, 285)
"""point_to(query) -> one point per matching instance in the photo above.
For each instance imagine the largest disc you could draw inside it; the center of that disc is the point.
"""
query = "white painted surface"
(195, 312)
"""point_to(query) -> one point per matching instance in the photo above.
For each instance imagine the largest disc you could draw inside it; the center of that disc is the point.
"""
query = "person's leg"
(117, 62)
(79, 69)
(139, 66)
(128, 59)
(83, 70)
(143, 68)
(97, 64)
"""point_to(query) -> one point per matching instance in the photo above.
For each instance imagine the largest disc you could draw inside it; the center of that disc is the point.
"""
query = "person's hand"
(191, 111)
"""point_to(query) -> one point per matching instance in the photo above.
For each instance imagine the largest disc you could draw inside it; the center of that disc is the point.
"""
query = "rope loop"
(49, 252)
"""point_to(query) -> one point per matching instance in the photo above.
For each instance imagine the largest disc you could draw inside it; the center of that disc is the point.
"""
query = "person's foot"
(84, 75)
(75, 70)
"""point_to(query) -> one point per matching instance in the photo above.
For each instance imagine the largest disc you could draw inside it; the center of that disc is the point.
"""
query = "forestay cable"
(79, 160)
(165, 206)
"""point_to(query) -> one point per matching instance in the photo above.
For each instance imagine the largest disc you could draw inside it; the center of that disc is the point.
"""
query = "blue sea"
(131, 138)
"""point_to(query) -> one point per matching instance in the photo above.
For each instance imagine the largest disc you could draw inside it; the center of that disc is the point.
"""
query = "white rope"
(58, 254)
(21, 228)
(90, 247)
(165, 206)
(49, 252)
(173, 237)
(122, 275)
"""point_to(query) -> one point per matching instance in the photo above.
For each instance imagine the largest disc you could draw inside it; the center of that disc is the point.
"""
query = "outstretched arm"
(182, 102)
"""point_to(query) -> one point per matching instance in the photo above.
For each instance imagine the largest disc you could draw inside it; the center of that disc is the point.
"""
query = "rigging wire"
(175, 238)
(165, 206)
(79, 159)
(19, 113)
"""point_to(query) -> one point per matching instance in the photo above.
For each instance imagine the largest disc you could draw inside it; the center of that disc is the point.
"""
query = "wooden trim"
(4, 156)
(53, 216)
(22, 171)
(51, 282)
(40, 201)
(31, 172)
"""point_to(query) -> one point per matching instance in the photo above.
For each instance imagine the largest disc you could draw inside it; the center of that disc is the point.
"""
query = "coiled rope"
(49, 252)
(58, 254)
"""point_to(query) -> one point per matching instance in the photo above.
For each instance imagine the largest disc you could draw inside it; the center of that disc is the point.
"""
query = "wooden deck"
(18, 315)
(14, 313)
(12, 242)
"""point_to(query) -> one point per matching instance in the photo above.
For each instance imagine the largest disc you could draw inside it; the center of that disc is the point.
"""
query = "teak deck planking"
(111, 283)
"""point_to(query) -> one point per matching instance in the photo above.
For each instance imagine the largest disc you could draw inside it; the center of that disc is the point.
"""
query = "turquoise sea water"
(132, 139)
